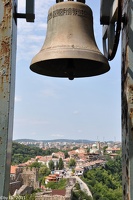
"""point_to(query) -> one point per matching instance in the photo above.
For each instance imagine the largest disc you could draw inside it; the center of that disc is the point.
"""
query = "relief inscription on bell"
(68, 11)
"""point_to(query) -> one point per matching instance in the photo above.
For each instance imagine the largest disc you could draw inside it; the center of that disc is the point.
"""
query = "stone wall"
(24, 176)
(49, 196)
(13, 186)
(25, 190)
(55, 197)
(30, 177)
(16, 176)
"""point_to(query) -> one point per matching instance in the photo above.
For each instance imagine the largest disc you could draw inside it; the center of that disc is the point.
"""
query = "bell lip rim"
(37, 69)
(57, 76)
(49, 55)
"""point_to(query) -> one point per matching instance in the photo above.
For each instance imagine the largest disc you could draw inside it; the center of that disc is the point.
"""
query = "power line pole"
(127, 101)
(8, 35)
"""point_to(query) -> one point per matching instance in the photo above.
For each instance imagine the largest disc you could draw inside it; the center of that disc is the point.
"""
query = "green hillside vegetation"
(22, 153)
(106, 183)
(78, 194)
(60, 185)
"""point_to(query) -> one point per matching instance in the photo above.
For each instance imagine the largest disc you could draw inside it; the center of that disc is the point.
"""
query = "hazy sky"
(54, 108)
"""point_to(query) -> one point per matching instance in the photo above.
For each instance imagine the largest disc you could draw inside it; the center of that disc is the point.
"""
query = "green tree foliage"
(73, 170)
(58, 185)
(61, 164)
(51, 165)
(77, 186)
(35, 164)
(115, 166)
(74, 148)
(66, 154)
(22, 153)
(43, 172)
(72, 162)
(79, 194)
(88, 150)
(106, 183)
(57, 166)
(104, 149)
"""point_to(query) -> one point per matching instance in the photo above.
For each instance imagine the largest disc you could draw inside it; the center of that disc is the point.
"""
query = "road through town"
(83, 186)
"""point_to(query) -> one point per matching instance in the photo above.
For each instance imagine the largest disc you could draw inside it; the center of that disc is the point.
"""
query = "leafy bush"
(57, 185)
(80, 195)
(106, 183)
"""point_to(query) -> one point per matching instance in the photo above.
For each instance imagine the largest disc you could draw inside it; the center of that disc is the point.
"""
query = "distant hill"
(57, 140)
(25, 140)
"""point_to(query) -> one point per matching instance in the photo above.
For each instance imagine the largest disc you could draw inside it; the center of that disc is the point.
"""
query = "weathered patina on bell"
(70, 50)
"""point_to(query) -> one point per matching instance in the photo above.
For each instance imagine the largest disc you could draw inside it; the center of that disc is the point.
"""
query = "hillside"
(22, 153)
(57, 140)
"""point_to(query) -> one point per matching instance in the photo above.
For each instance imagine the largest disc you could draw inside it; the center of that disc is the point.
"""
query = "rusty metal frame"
(8, 35)
(126, 95)
(127, 101)
(111, 26)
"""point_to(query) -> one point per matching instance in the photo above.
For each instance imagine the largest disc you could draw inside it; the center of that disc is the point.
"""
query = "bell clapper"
(70, 69)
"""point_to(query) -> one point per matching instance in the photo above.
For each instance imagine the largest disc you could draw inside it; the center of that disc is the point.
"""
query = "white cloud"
(29, 46)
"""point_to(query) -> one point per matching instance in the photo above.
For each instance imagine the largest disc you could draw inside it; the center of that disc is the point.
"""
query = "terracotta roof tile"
(59, 192)
(13, 169)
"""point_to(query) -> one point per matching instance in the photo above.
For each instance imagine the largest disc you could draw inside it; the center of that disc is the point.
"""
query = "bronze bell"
(70, 50)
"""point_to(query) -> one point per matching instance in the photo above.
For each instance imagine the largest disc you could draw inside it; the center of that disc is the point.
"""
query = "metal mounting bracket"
(111, 19)
(29, 15)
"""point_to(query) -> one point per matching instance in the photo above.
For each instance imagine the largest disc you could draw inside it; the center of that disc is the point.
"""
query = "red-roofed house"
(112, 150)
(52, 178)
(79, 171)
(13, 172)
(59, 155)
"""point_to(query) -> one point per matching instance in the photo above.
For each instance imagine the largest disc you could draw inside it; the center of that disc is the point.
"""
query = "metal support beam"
(7, 89)
(127, 101)
(30, 16)
(29, 13)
